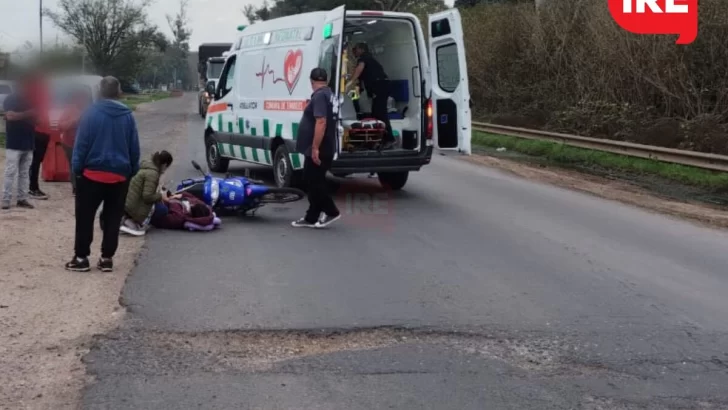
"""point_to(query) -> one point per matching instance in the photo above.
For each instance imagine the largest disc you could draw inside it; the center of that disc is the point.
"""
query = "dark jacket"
(107, 140)
(20, 134)
(177, 216)
(143, 192)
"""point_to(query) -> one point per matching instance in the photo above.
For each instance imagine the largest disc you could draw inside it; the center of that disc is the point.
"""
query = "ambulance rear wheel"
(215, 162)
(393, 180)
(283, 172)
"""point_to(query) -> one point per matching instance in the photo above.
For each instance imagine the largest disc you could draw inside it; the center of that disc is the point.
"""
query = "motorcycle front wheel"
(281, 195)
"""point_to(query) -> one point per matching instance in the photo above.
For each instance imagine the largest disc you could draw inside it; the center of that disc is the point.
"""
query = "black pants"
(379, 107)
(89, 196)
(41, 145)
(69, 156)
(319, 199)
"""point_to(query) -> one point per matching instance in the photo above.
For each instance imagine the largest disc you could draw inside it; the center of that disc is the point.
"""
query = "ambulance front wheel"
(215, 162)
(283, 171)
(393, 180)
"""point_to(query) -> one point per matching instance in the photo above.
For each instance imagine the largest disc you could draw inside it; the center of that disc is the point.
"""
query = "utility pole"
(40, 22)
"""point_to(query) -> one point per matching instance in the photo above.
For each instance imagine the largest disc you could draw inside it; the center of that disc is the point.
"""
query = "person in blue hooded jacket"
(105, 158)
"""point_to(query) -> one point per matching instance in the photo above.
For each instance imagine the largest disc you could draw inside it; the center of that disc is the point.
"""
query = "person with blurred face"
(19, 145)
(68, 125)
(39, 97)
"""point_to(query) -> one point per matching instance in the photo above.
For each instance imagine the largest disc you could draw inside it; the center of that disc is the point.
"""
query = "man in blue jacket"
(105, 157)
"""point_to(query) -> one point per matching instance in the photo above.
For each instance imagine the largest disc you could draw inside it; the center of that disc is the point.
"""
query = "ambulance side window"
(329, 57)
(227, 78)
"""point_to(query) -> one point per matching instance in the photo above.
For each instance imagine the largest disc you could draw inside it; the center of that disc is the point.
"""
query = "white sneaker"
(131, 228)
(326, 220)
(302, 223)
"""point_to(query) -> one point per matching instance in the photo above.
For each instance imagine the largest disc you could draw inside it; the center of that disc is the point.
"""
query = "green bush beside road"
(572, 157)
(568, 67)
(133, 100)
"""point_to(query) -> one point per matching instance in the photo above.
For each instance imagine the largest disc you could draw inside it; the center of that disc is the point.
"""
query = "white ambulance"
(264, 88)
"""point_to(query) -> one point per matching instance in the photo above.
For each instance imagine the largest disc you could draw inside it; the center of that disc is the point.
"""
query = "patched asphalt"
(469, 289)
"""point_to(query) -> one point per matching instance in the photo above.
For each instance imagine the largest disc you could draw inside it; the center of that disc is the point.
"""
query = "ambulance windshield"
(214, 69)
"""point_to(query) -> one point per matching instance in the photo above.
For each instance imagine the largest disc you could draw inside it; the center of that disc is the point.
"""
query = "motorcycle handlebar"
(198, 167)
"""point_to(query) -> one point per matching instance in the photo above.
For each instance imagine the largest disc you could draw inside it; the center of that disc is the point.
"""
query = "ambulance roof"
(313, 18)
(296, 20)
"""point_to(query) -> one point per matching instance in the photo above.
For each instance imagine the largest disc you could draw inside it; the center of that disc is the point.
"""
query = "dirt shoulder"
(617, 190)
(48, 316)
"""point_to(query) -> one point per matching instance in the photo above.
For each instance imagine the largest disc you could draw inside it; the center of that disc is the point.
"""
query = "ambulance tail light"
(430, 125)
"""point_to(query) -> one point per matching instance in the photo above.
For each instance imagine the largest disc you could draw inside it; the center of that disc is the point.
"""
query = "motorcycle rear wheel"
(281, 195)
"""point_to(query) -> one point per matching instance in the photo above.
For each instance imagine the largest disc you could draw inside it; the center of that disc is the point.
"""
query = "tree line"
(118, 39)
(279, 8)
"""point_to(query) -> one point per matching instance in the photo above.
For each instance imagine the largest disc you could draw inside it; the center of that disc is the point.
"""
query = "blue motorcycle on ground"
(234, 194)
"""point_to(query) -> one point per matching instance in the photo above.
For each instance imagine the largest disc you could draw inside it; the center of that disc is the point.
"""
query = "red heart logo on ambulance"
(292, 65)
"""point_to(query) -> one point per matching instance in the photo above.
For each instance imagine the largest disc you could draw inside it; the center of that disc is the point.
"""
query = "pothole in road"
(260, 350)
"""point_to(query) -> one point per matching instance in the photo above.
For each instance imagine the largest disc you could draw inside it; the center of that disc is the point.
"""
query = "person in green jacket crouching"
(145, 194)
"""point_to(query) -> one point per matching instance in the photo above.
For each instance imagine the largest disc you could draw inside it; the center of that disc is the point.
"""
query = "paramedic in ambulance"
(371, 73)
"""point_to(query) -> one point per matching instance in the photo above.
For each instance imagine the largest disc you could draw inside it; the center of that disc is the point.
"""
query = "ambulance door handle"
(230, 106)
(415, 71)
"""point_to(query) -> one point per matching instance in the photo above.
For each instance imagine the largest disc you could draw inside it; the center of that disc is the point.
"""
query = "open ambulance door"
(449, 78)
(330, 58)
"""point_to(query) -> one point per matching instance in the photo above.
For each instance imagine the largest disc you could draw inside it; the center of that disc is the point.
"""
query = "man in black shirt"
(371, 73)
(317, 141)
(19, 145)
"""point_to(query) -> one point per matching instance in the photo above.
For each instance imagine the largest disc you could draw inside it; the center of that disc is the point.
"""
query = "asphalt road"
(470, 289)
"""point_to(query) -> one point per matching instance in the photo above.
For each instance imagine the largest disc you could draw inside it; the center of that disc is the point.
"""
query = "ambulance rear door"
(449, 82)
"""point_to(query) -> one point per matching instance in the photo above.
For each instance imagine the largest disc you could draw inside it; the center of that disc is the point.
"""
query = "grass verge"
(2, 140)
(572, 157)
(133, 100)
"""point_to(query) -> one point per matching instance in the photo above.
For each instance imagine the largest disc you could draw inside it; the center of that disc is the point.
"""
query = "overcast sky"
(211, 20)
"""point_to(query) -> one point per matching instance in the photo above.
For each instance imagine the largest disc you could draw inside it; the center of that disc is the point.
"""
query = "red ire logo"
(658, 17)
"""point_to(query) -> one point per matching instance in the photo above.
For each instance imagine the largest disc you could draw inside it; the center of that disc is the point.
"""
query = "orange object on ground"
(55, 167)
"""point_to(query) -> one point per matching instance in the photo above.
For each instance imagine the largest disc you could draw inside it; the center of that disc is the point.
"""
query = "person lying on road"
(186, 212)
